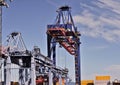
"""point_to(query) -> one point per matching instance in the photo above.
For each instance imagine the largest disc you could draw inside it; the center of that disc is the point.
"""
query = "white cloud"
(87, 6)
(112, 5)
(87, 19)
(110, 21)
(105, 25)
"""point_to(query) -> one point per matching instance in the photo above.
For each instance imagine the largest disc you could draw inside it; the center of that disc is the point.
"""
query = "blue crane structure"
(19, 66)
(66, 34)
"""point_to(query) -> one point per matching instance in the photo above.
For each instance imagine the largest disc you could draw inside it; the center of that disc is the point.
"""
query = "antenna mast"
(2, 3)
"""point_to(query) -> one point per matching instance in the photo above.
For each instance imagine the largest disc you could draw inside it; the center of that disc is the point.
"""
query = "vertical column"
(26, 74)
(60, 79)
(0, 42)
(8, 71)
(77, 64)
(33, 75)
(49, 45)
(2, 70)
(54, 53)
(0, 32)
(21, 76)
(66, 81)
(50, 77)
(5, 60)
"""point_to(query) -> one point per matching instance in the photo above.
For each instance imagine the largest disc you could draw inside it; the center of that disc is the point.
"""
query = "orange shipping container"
(86, 82)
(102, 77)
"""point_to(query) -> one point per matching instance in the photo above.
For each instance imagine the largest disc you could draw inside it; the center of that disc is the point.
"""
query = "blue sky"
(97, 20)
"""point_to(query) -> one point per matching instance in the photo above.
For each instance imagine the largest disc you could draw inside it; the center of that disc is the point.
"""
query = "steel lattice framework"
(30, 64)
(65, 33)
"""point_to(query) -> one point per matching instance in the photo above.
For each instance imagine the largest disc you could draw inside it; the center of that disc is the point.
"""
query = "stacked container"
(87, 82)
(102, 80)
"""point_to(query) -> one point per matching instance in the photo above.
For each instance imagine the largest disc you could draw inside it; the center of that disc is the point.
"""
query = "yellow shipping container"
(86, 82)
(102, 77)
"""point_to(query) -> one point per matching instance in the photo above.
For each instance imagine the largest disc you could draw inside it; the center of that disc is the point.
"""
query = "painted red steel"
(69, 44)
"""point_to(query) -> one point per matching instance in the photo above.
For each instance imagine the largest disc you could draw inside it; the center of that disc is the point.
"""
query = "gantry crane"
(65, 33)
(28, 67)
(15, 53)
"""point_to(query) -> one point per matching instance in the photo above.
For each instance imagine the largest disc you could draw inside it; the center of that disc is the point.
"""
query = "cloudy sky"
(97, 20)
